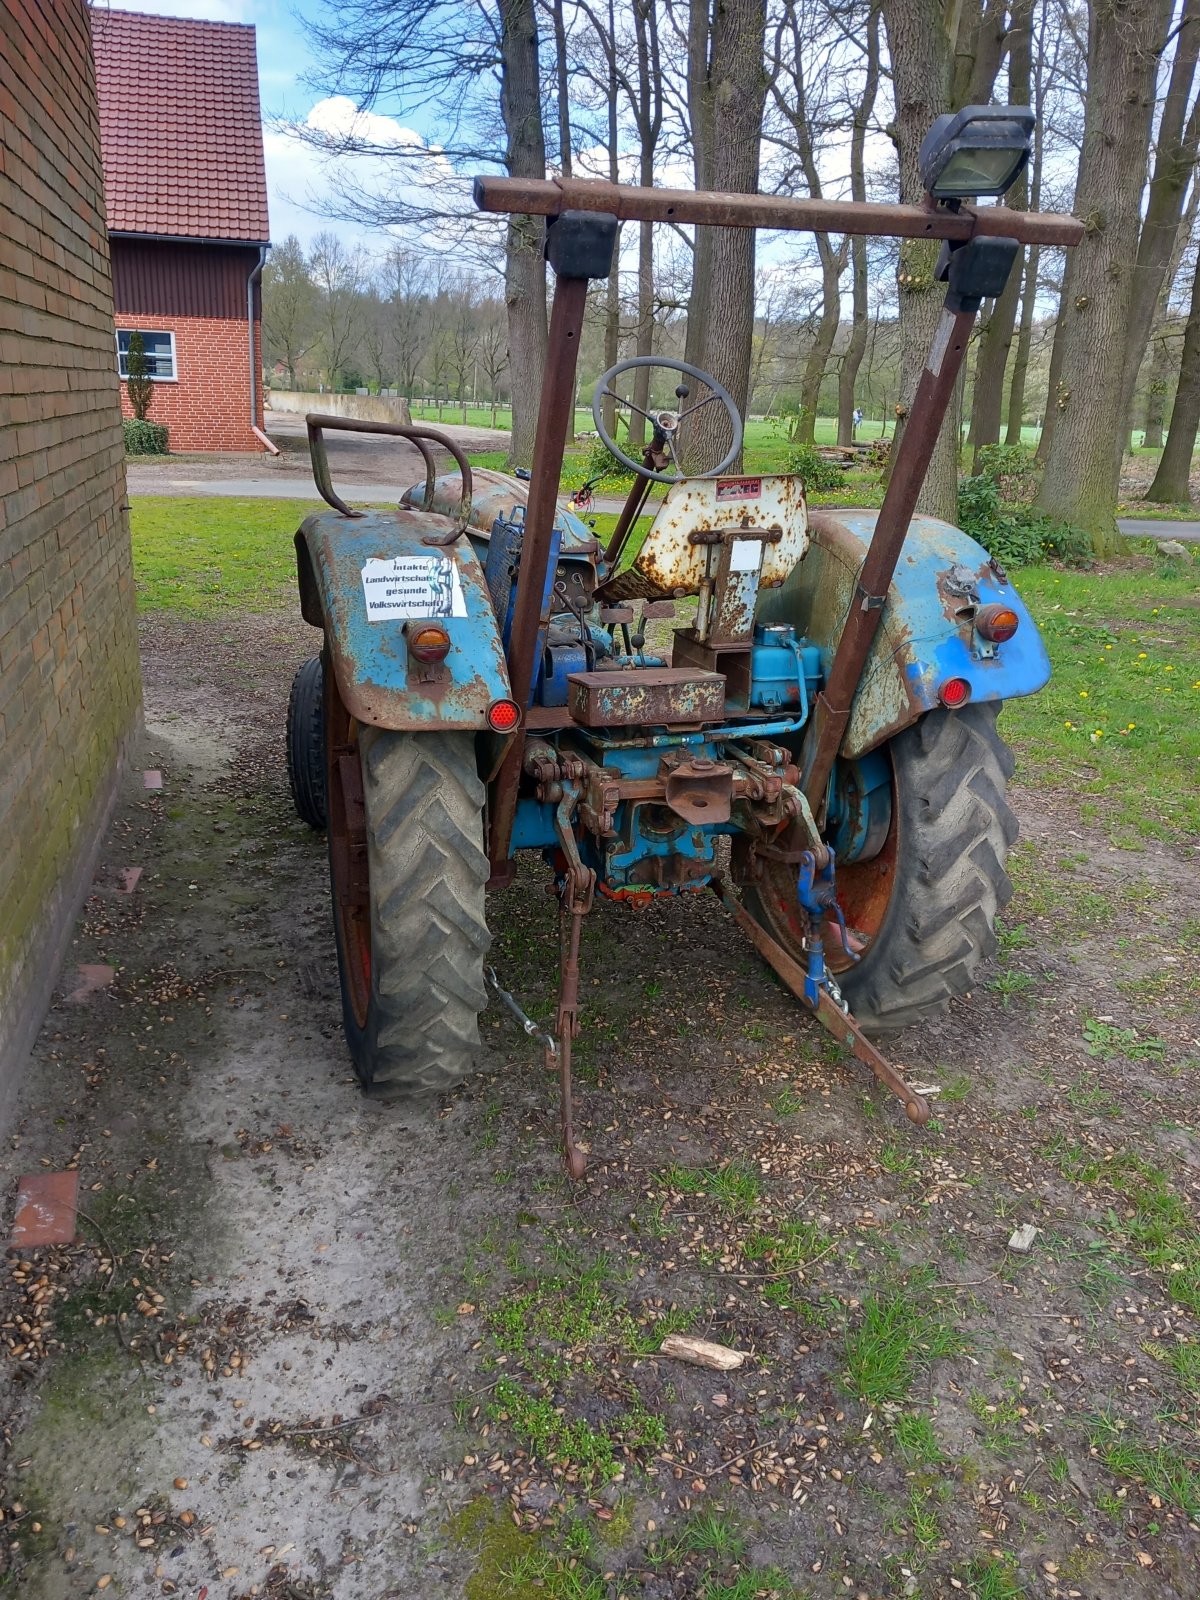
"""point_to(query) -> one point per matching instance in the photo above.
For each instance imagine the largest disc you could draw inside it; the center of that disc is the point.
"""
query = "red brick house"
(186, 191)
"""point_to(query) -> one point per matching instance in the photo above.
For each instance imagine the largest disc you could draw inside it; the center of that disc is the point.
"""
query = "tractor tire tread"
(429, 935)
(306, 743)
(956, 827)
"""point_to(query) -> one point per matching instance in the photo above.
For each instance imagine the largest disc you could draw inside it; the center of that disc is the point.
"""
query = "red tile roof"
(180, 127)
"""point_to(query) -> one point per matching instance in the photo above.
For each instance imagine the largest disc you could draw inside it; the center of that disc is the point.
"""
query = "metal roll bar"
(421, 437)
(547, 197)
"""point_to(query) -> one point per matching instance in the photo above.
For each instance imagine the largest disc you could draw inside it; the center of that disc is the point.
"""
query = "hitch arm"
(831, 1017)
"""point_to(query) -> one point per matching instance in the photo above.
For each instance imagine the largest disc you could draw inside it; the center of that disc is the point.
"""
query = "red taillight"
(996, 623)
(954, 692)
(503, 715)
(427, 641)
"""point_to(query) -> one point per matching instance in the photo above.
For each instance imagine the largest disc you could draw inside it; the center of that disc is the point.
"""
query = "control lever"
(650, 609)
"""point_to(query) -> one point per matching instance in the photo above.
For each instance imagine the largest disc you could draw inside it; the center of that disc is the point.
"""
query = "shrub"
(601, 463)
(1011, 467)
(819, 474)
(145, 438)
(994, 508)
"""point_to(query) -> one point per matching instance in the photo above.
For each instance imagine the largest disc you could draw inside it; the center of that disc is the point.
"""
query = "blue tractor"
(813, 738)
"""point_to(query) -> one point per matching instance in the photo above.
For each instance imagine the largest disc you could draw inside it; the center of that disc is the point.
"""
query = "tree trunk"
(991, 358)
(612, 288)
(1156, 392)
(1054, 399)
(852, 360)
(1016, 394)
(921, 65)
(700, 115)
(832, 263)
(1172, 481)
(562, 87)
(1175, 157)
(855, 350)
(738, 90)
(524, 269)
(1083, 467)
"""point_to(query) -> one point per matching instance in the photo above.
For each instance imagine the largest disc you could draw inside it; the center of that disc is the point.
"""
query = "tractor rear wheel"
(407, 872)
(306, 743)
(923, 910)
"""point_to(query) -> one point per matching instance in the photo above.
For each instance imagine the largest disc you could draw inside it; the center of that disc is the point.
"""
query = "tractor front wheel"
(407, 871)
(306, 743)
(923, 910)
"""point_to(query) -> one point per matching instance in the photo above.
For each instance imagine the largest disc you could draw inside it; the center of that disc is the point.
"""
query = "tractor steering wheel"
(666, 423)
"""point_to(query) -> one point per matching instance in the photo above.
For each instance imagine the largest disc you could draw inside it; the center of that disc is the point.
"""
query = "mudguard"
(494, 495)
(382, 553)
(926, 634)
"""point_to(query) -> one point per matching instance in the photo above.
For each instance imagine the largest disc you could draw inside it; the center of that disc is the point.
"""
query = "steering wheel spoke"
(669, 438)
(611, 394)
(699, 406)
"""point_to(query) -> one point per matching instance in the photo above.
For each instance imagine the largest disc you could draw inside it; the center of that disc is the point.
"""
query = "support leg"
(830, 1015)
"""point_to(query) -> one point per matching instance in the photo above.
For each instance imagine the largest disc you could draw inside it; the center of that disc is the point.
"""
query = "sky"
(295, 179)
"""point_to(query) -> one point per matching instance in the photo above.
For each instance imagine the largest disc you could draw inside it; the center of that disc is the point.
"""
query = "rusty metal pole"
(831, 711)
(554, 415)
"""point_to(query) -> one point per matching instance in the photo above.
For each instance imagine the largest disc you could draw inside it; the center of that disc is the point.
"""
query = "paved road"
(1152, 528)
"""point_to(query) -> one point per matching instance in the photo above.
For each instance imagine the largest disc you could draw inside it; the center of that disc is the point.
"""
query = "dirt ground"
(311, 1346)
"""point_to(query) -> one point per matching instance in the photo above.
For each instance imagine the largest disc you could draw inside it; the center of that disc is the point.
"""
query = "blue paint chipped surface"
(370, 659)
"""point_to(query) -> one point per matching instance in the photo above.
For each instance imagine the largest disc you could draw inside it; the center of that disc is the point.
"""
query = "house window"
(160, 353)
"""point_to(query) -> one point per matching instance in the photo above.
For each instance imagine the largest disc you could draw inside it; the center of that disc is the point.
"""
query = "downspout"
(256, 278)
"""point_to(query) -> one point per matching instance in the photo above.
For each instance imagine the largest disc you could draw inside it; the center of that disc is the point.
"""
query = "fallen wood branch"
(701, 1352)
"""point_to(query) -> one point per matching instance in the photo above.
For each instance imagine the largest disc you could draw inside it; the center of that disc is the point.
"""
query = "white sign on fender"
(412, 586)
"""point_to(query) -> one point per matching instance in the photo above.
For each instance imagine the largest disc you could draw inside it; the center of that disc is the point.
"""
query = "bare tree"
(1172, 481)
(996, 337)
(793, 53)
(337, 275)
(493, 355)
(727, 90)
(1174, 161)
(289, 305)
(462, 335)
(864, 110)
(941, 58)
(404, 286)
(1083, 466)
(451, 59)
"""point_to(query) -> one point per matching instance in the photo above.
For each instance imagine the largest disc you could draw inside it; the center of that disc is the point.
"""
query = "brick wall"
(208, 408)
(69, 686)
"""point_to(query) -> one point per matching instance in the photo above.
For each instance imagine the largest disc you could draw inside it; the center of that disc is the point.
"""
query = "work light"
(980, 150)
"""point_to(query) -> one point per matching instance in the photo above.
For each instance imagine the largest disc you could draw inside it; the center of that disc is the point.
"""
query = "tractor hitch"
(816, 988)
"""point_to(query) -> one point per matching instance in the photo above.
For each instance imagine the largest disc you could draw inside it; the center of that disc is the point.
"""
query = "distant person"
(857, 421)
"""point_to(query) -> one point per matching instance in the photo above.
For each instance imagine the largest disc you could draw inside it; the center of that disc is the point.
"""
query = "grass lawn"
(1119, 722)
(1120, 719)
(208, 555)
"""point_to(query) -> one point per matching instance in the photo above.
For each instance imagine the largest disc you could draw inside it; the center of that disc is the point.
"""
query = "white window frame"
(158, 333)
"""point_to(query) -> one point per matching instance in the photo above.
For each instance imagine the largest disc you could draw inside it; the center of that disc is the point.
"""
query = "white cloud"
(298, 174)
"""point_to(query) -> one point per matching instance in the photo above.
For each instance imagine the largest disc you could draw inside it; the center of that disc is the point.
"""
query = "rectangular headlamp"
(980, 150)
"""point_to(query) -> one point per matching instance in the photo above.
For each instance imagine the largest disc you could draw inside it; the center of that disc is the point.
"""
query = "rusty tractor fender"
(494, 494)
(927, 632)
(384, 555)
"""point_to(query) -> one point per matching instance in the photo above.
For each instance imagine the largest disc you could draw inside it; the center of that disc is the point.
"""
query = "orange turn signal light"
(503, 715)
(996, 623)
(427, 641)
(954, 692)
